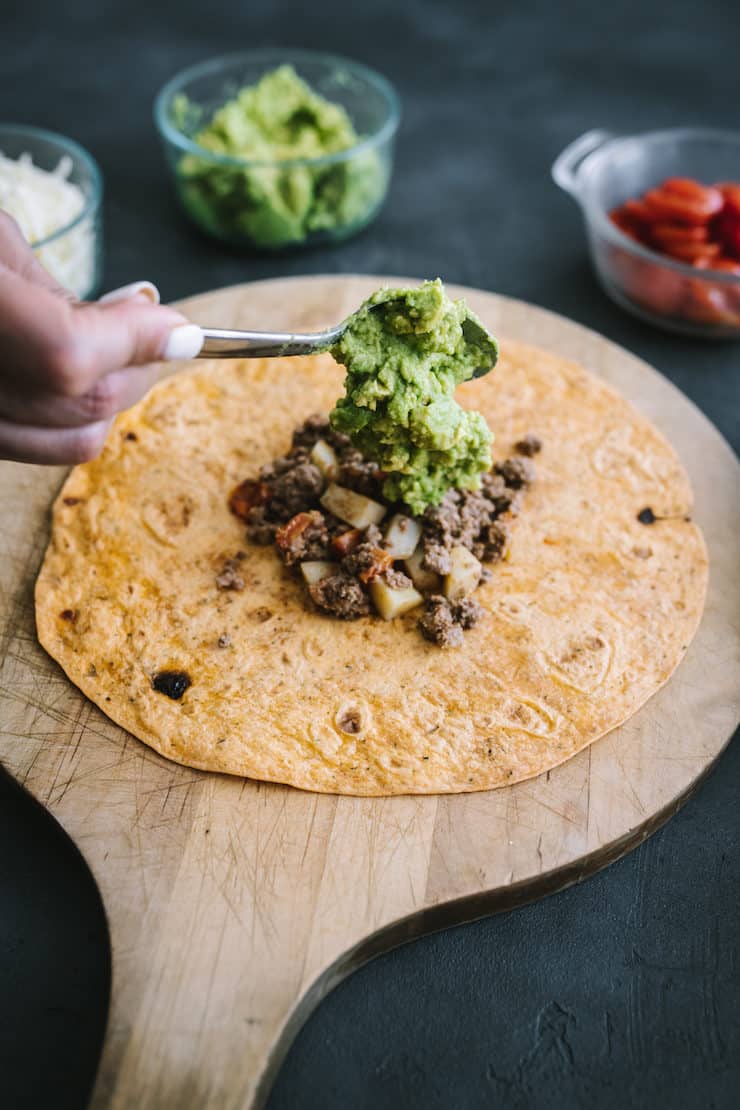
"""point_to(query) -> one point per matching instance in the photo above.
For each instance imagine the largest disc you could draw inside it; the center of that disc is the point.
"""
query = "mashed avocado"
(279, 119)
(404, 360)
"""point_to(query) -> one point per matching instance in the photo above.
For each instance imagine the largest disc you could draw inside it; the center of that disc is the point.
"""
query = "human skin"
(67, 367)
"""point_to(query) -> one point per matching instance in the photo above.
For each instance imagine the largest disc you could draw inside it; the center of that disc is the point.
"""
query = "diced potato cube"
(464, 576)
(324, 456)
(392, 603)
(425, 580)
(355, 508)
(402, 535)
(313, 570)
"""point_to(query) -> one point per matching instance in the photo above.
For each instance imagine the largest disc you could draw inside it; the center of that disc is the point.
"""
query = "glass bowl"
(275, 205)
(601, 171)
(72, 252)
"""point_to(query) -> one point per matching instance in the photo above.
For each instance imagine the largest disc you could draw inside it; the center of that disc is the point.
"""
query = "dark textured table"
(620, 992)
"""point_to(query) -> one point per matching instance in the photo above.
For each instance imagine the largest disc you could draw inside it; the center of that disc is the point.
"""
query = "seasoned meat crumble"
(444, 621)
(341, 596)
(314, 504)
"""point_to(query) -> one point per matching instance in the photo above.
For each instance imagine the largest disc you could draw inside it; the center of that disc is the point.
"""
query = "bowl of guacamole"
(279, 149)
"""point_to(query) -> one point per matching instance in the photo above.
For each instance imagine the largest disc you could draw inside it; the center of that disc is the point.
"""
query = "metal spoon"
(224, 343)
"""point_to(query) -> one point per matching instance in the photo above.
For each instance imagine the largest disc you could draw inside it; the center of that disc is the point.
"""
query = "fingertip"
(145, 292)
(87, 442)
(124, 333)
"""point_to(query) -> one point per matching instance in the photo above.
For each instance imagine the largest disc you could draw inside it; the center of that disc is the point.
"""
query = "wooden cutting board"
(234, 906)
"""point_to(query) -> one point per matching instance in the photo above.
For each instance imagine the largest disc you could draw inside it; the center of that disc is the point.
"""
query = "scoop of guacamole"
(280, 119)
(405, 352)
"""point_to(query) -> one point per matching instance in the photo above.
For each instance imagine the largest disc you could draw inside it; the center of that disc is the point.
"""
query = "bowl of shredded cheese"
(53, 189)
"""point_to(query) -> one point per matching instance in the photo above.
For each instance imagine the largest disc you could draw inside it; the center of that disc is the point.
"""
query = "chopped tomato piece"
(664, 234)
(626, 224)
(665, 205)
(655, 286)
(731, 194)
(246, 495)
(637, 210)
(663, 292)
(727, 230)
(709, 304)
(382, 561)
(288, 532)
(692, 252)
(346, 542)
(688, 187)
(723, 264)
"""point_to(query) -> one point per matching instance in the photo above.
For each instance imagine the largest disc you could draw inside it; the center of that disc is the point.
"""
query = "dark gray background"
(623, 991)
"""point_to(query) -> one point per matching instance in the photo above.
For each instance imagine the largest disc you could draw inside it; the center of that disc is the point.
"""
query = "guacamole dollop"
(280, 119)
(405, 352)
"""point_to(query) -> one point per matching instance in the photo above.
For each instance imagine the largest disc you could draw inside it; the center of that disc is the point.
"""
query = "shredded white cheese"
(42, 202)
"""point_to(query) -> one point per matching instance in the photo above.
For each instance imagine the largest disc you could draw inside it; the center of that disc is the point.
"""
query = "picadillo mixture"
(323, 507)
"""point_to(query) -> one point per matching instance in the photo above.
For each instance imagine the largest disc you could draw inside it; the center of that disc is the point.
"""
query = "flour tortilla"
(586, 619)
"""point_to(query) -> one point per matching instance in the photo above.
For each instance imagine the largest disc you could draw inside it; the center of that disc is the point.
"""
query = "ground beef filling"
(340, 595)
(530, 445)
(443, 621)
(304, 537)
(229, 577)
(349, 565)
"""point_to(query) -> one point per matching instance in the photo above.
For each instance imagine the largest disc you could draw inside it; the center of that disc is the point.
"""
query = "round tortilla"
(586, 618)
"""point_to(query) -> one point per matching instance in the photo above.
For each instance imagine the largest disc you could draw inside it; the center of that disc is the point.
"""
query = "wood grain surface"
(234, 906)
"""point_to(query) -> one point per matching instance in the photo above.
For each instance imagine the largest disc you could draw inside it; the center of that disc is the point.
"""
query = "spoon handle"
(220, 343)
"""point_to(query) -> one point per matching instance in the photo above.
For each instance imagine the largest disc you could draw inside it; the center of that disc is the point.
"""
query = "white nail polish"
(126, 292)
(184, 341)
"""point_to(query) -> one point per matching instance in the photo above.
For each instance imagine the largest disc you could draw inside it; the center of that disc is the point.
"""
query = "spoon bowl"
(226, 343)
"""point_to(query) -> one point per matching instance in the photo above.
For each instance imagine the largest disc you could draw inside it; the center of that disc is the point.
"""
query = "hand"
(67, 367)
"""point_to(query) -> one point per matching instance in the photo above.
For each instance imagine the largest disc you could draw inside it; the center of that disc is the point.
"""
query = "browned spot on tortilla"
(172, 683)
(261, 614)
(350, 720)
